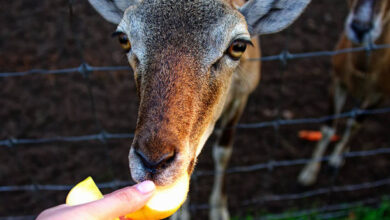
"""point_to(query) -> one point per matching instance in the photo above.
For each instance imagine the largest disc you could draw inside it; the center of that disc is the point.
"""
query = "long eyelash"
(249, 42)
(116, 33)
(246, 41)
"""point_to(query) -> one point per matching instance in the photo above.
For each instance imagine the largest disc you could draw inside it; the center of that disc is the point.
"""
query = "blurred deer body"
(190, 70)
(363, 75)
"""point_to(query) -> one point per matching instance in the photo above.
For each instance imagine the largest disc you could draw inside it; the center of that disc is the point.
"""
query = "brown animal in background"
(364, 76)
(190, 70)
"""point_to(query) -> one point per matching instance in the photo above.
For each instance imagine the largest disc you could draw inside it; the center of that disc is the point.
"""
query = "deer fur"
(187, 80)
(364, 76)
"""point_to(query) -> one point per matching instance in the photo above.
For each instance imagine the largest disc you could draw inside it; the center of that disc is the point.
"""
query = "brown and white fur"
(187, 79)
(364, 76)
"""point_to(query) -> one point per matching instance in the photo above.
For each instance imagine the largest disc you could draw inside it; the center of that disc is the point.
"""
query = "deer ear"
(112, 10)
(270, 16)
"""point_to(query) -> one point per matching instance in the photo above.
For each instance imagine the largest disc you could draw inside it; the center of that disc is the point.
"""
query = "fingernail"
(146, 187)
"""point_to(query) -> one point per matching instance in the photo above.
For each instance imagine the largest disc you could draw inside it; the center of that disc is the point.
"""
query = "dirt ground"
(38, 34)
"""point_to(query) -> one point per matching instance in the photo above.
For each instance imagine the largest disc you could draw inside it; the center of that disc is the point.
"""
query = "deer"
(364, 76)
(189, 59)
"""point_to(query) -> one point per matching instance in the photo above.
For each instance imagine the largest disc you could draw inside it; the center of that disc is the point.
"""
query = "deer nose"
(153, 164)
(360, 28)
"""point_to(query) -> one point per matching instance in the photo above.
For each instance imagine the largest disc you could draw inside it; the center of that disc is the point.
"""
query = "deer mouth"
(164, 171)
(364, 24)
(363, 33)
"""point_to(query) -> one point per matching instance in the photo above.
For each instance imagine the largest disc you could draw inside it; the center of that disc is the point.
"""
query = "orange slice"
(164, 202)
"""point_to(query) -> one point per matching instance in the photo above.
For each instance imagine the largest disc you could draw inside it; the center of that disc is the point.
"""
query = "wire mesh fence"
(199, 173)
(103, 136)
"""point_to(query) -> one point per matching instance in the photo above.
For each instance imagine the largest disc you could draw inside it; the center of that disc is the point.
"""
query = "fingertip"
(145, 187)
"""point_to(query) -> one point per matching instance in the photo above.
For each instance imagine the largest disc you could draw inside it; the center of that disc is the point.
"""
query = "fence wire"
(270, 165)
(325, 209)
(295, 196)
(283, 56)
(106, 185)
(324, 212)
(103, 136)
(253, 201)
(82, 69)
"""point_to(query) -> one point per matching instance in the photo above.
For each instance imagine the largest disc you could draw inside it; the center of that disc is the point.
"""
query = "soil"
(40, 34)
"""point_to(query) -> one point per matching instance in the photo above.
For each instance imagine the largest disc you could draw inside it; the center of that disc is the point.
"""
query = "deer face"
(366, 19)
(184, 55)
(183, 66)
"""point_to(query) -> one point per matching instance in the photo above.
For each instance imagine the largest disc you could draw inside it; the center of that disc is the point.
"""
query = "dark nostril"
(360, 28)
(153, 164)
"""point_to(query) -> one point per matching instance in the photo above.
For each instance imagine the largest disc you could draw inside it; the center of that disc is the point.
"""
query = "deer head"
(184, 54)
(366, 20)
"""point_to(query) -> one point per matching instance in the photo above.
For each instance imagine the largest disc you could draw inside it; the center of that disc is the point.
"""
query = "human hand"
(113, 205)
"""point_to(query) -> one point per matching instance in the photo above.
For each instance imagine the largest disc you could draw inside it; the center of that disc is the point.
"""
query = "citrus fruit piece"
(83, 192)
(165, 201)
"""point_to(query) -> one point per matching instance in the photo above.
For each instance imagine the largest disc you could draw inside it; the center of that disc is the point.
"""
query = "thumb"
(120, 202)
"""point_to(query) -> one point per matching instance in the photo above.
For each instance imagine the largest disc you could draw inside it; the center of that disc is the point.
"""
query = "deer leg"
(336, 159)
(353, 125)
(309, 174)
(222, 151)
(218, 199)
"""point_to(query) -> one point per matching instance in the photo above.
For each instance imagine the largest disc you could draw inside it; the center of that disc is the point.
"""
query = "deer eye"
(237, 48)
(123, 41)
